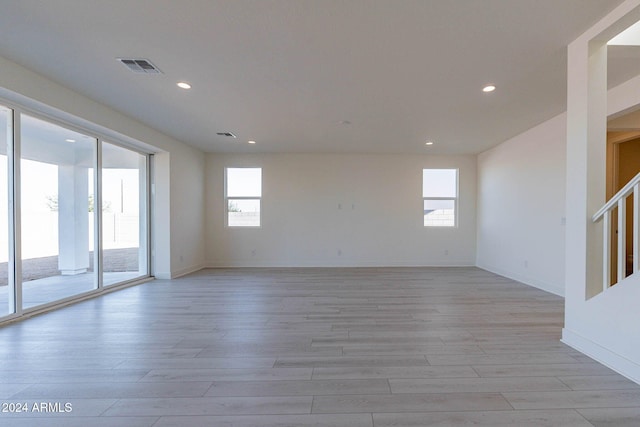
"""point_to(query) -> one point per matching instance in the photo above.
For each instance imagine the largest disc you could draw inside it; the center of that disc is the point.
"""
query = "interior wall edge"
(607, 357)
(556, 289)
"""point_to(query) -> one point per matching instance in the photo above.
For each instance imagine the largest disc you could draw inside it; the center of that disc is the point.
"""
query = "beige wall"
(340, 210)
(521, 205)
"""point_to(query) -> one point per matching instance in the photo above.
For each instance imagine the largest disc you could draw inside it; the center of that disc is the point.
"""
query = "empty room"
(347, 213)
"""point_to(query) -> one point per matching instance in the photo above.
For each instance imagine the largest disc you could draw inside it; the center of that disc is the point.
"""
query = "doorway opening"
(623, 164)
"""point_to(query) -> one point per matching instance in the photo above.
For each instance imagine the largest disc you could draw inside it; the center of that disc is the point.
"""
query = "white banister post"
(622, 238)
(606, 252)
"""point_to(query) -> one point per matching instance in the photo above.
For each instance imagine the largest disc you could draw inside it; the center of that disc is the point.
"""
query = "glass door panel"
(6, 288)
(124, 215)
(57, 221)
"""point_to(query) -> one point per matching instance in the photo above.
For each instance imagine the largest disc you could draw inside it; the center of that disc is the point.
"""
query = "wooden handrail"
(624, 192)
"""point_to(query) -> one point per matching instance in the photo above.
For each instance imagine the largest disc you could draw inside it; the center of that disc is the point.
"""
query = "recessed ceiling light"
(70, 140)
(429, 143)
(251, 142)
(184, 85)
(489, 88)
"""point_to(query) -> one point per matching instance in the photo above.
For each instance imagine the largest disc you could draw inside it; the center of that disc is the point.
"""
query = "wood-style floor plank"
(552, 418)
(612, 417)
(320, 347)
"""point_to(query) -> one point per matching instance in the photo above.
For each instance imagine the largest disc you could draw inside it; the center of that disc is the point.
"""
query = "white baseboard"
(544, 286)
(168, 275)
(162, 275)
(312, 264)
(618, 363)
(185, 271)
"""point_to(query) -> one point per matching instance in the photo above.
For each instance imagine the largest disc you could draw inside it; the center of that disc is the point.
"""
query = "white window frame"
(454, 199)
(228, 199)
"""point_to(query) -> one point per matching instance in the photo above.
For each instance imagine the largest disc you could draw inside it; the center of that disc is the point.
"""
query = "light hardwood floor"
(311, 347)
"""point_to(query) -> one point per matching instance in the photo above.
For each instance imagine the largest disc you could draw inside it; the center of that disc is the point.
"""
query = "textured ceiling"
(286, 73)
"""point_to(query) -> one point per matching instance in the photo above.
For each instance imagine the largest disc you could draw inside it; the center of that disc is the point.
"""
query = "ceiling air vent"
(226, 134)
(140, 66)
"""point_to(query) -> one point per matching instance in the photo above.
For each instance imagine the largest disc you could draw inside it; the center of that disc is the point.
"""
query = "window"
(440, 197)
(243, 193)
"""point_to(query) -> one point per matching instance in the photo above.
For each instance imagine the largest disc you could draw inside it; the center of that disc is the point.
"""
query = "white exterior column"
(73, 219)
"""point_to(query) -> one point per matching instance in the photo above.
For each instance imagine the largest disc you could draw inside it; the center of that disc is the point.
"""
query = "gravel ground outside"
(115, 260)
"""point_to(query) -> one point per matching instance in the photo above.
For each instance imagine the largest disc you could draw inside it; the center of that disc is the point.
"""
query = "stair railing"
(605, 214)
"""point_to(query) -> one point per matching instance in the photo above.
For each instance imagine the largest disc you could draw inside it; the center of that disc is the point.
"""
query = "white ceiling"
(287, 72)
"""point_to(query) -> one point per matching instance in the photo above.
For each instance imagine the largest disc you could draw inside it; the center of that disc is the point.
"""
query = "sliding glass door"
(57, 222)
(7, 294)
(73, 213)
(124, 214)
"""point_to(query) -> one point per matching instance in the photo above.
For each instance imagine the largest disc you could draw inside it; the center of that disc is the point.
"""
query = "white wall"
(187, 212)
(179, 243)
(606, 326)
(340, 210)
(521, 204)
